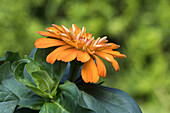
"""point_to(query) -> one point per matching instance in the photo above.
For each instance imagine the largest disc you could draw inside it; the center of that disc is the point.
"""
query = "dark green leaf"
(27, 97)
(43, 80)
(33, 53)
(25, 110)
(55, 70)
(19, 76)
(114, 100)
(67, 99)
(40, 59)
(2, 60)
(53, 108)
(12, 56)
(89, 102)
(58, 71)
(5, 71)
(31, 66)
(8, 100)
(68, 96)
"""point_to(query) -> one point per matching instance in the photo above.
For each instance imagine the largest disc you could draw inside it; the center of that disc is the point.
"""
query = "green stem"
(74, 69)
(56, 86)
(61, 66)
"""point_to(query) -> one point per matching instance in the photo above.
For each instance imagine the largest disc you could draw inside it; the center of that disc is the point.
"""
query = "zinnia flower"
(75, 43)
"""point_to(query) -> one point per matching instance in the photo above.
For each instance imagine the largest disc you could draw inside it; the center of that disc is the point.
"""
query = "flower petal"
(115, 65)
(68, 41)
(75, 29)
(48, 42)
(105, 56)
(83, 56)
(58, 28)
(51, 58)
(46, 34)
(113, 46)
(67, 55)
(115, 53)
(89, 72)
(100, 66)
(52, 30)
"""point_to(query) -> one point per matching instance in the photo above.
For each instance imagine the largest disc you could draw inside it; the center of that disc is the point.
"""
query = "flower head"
(75, 43)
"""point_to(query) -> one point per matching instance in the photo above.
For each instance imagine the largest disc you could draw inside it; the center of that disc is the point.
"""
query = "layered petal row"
(75, 43)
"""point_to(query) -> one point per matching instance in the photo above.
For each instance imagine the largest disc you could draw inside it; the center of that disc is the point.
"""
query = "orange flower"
(76, 43)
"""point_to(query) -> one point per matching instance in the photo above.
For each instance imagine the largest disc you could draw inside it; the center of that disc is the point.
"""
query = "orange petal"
(115, 53)
(100, 67)
(48, 42)
(115, 65)
(69, 58)
(51, 58)
(83, 56)
(88, 35)
(105, 56)
(68, 41)
(46, 34)
(84, 31)
(76, 30)
(52, 29)
(89, 72)
(114, 46)
(74, 27)
(65, 29)
(67, 55)
(58, 27)
(72, 36)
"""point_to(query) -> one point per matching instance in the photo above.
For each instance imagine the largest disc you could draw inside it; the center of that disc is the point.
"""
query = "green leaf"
(2, 60)
(8, 100)
(68, 96)
(26, 96)
(40, 59)
(55, 70)
(43, 80)
(113, 100)
(67, 99)
(53, 108)
(12, 56)
(58, 71)
(5, 71)
(31, 66)
(89, 102)
(57, 108)
(19, 76)
(25, 110)
(33, 53)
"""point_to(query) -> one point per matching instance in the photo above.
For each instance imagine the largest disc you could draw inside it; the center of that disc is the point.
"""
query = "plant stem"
(74, 69)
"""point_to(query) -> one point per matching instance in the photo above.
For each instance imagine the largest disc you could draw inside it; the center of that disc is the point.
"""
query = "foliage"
(141, 27)
(44, 92)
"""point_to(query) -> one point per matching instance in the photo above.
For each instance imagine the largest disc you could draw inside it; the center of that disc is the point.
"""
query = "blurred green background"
(141, 27)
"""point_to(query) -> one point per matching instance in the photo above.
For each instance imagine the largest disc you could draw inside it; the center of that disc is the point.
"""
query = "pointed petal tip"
(117, 69)
(39, 32)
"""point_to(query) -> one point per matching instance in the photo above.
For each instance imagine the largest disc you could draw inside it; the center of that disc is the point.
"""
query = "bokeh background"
(141, 27)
